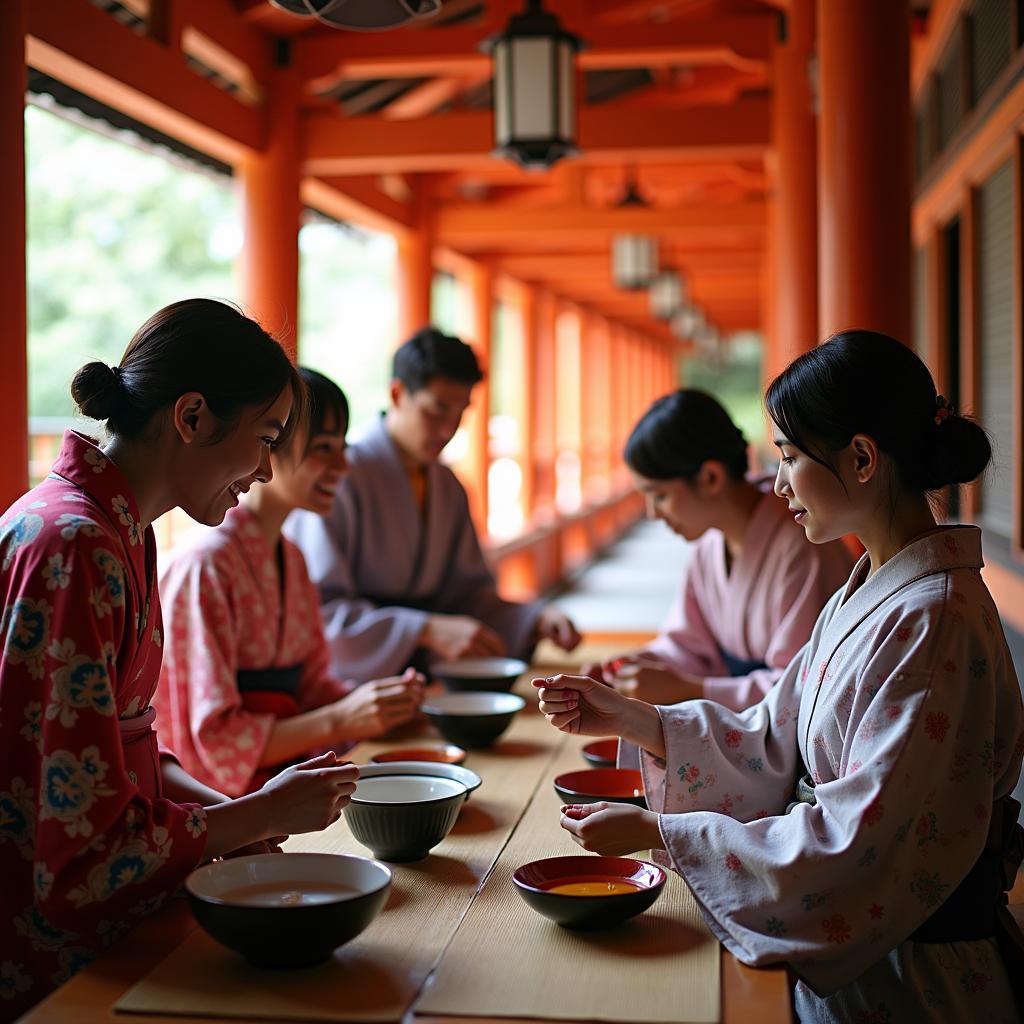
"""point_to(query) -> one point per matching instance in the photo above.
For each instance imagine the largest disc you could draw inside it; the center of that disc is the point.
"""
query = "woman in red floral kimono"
(245, 684)
(97, 824)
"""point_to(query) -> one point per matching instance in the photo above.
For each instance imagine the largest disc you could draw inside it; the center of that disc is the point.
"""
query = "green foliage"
(114, 233)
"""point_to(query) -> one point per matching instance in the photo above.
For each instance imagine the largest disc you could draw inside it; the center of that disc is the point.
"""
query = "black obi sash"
(270, 690)
(740, 666)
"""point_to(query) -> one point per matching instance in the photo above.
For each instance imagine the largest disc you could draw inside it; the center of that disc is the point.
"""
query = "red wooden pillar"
(477, 418)
(795, 246)
(864, 182)
(14, 336)
(415, 263)
(270, 189)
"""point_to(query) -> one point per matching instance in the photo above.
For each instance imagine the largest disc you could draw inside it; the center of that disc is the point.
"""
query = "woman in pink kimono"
(98, 825)
(245, 684)
(857, 823)
(753, 585)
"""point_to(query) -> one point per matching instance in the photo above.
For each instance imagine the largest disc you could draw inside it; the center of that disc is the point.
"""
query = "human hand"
(556, 626)
(594, 670)
(379, 705)
(308, 797)
(461, 636)
(612, 829)
(579, 704)
(649, 679)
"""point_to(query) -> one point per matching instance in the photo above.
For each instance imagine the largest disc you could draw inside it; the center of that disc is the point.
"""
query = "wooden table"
(747, 994)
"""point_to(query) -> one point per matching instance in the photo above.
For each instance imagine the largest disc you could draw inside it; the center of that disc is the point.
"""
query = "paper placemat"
(377, 976)
(506, 960)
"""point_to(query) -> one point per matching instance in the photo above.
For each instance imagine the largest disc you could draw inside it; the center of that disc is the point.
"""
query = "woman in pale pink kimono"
(245, 684)
(99, 824)
(753, 584)
(857, 823)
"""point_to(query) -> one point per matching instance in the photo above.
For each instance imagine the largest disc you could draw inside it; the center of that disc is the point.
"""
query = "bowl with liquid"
(403, 817)
(287, 910)
(458, 773)
(447, 753)
(472, 719)
(472, 674)
(620, 785)
(588, 891)
(601, 753)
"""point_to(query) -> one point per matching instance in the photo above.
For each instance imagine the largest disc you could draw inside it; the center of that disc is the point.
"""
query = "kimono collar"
(243, 525)
(938, 551)
(81, 463)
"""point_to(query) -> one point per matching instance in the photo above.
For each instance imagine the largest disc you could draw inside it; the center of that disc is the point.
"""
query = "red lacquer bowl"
(601, 753)
(448, 754)
(623, 785)
(536, 879)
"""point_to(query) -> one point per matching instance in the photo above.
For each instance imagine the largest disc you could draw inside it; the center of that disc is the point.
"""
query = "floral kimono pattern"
(905, 709)
(759, 610)
(227, 612)
(87, 844)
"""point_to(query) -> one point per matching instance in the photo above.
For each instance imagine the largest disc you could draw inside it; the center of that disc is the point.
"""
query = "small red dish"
(622, 785)
(601, 753)
(448, 754)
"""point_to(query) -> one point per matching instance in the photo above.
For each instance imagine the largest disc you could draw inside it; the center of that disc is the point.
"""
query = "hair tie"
(117, 371)
(943, 410)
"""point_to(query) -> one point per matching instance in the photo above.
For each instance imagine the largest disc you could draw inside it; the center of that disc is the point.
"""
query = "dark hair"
(327, 404)
(428, 354)
(682, 431)
(194, 345)
(862, 382)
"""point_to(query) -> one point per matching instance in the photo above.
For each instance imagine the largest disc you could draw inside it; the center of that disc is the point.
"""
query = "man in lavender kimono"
(397, 561)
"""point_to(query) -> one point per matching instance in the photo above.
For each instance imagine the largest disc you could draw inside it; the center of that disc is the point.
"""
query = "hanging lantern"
(687, 322)
(634, 257)
(534, 88)
(361, 15)
(666, 294)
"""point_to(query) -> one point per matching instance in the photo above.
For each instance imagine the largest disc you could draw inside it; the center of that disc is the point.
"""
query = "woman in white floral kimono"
(857, 822)
(98, 824)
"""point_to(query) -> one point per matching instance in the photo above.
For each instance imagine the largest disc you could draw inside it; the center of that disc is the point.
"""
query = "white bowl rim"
(480, 704)
(461, 789)
(431, 769)
(212, 867)
(480, 668)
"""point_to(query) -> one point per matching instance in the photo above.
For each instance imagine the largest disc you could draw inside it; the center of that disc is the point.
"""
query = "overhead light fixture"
(361, 15)
(687, 322)
(667, 295)
(634, 257)
(534, 88)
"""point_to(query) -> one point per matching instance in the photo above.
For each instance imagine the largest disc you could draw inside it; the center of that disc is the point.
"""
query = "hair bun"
(96, 389)
(958, 452)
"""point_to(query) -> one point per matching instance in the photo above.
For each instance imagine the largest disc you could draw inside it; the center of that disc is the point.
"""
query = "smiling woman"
(199, 398)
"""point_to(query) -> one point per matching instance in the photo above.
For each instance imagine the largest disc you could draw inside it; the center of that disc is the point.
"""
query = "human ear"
(865, 457)
(397, 391)
(188, 415)
(710, 479)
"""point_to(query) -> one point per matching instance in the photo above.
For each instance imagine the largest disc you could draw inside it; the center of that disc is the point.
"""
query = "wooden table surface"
(748, 995)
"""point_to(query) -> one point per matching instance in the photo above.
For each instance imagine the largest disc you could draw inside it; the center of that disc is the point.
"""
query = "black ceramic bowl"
(620, 785)
(287, 909)
(471, 674)
(594, 904)
(472, 719)
(403, 817)
(456, 773)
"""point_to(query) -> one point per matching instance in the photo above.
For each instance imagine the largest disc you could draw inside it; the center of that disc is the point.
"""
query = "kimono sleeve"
(794, 602)
(104, 850)
(686, 641)
(470, 589)
(365, 641)
(933, 737)
(199, 677)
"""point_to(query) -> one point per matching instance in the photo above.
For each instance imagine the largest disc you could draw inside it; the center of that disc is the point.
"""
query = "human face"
(817, 498)
(311, 481)
(424, 421)
(218, 473)
(675, 503)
